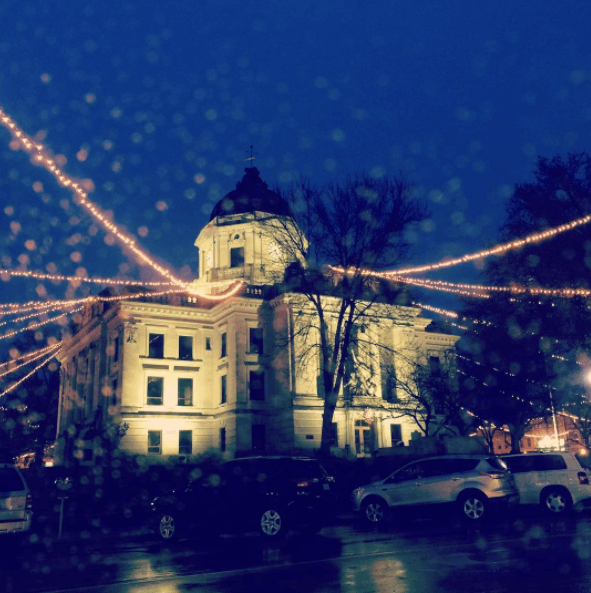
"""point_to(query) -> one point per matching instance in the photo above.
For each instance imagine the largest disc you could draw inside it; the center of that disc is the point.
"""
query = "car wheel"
(374, 511)
(556, 501)
(272, 523)
(166, 527)
(473, 506)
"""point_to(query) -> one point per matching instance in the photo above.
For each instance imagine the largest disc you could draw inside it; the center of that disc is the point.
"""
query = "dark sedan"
(265, 494)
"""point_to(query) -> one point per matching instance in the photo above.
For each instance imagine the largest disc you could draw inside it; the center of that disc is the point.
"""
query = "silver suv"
(555, 480)
(472, 482)
(16, 505)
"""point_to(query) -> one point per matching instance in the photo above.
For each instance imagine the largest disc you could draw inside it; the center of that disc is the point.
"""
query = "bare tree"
(428, 394)
(342, 232)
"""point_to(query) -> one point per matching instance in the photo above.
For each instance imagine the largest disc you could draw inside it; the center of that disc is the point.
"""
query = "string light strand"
(23, 379)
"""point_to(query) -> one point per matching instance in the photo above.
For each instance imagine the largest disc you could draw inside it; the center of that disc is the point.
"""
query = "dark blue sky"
(460, 96)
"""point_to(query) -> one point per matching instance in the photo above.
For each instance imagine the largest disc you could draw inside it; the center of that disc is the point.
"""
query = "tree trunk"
(330, 403)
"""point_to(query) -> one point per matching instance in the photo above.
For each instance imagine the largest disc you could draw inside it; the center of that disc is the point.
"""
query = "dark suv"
(267, 494)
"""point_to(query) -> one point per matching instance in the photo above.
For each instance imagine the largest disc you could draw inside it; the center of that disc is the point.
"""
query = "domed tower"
(242, 240)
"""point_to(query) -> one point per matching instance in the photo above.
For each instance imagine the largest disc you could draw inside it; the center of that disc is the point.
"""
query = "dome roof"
(251, 194)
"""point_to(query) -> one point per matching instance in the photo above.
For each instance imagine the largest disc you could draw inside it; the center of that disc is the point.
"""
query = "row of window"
(185, 440)
(156, 344)
(155, 389)
(256, 387)
(155, 396)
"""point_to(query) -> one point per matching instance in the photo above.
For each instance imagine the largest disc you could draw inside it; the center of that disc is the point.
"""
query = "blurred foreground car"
(265, 494)
(16, 504)
(470, 482)
(556, 480)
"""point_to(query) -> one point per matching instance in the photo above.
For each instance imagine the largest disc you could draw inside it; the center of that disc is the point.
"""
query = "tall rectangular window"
(185, 348)
(258, 437)
(114, 392)
(222, 440)
(223, 388)
(185, 392)
(224, 345)
(334, 435)
(257, 385)
(185, 442)
(396, 434)
(236, 257)
(435, 366)
(156, 345)
(208, 343)
(155, 391)
(256, 340)
(155, 442)
(115, 348)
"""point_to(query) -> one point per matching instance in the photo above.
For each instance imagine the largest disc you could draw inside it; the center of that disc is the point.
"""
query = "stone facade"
(188, 374)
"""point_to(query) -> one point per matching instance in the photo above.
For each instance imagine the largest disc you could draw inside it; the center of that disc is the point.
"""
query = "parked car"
(555, 480)
(471, 482)
(16, 503)
(268, 494)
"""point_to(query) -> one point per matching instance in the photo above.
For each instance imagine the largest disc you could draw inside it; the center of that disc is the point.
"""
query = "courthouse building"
(188, 374)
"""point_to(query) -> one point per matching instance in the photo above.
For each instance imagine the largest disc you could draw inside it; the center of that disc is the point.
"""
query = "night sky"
(158, 103)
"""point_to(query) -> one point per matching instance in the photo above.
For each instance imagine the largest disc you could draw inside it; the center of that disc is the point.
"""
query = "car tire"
(556, 501)
(167, 526)
(473, 505)
(272, 522)
(374, 511)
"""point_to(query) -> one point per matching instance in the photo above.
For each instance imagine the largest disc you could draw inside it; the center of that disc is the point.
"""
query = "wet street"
(409, 556)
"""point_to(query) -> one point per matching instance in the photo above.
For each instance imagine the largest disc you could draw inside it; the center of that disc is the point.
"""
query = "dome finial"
(251, 157)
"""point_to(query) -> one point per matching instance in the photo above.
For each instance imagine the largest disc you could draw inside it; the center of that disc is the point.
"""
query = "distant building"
(188, 374)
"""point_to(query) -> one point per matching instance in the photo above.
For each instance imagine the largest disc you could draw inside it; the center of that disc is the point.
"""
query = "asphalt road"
(526, 554)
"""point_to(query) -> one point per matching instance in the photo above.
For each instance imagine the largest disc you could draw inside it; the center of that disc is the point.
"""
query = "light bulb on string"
(81, 197)
(26, 356)
(38, 355)
(23, 379)
(13, 333)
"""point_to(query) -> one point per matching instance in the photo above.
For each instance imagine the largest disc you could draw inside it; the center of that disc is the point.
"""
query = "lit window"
(155, 391)
(185, 442)
(185, 348)
(185, 392)
(155, 442)
(257, 385)
(256, 340)
(156, 346)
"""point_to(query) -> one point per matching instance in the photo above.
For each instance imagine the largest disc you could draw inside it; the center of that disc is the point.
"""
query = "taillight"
(29, 503)
(494, 475)
(583, 477)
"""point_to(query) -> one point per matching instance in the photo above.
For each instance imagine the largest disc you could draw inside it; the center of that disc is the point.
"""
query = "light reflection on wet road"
(533, 554)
